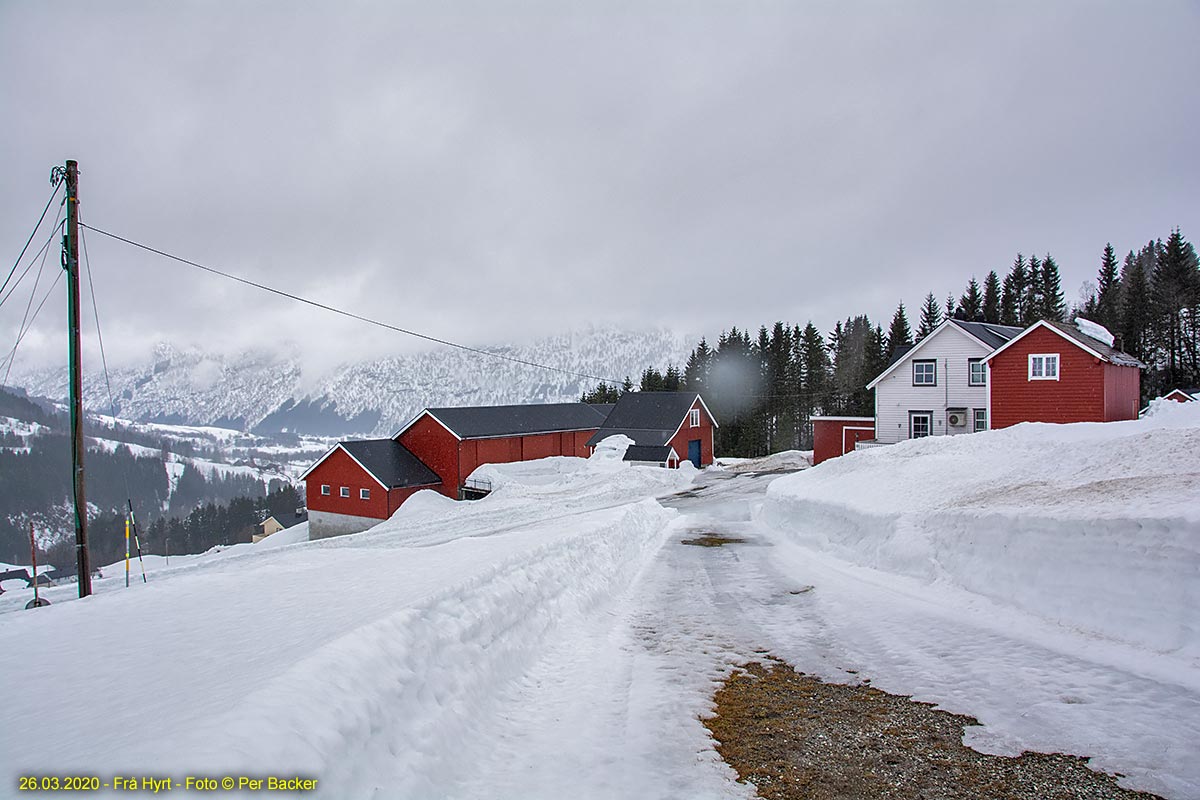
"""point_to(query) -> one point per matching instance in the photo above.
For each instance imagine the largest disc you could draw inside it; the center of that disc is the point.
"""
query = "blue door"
(694, 451)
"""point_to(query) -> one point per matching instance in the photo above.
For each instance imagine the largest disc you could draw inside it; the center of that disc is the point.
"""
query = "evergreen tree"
(1108, 301)
(1135, 307)
(991, 298)
(949, 306)
(899, 334)
(695, 372)
(1175, 290)
(1052, 302)
(1013, 294)
(816, 378)
(603, 393)
(970, 305)
(931, 317)
(1031, 300)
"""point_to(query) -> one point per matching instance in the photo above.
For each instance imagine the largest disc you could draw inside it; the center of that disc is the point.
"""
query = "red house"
(666, 427)
(1056, 372)
(453, 442)
(836, 436)
(358, 483)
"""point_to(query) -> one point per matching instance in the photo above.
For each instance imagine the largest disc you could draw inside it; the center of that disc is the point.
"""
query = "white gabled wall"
(895, 395)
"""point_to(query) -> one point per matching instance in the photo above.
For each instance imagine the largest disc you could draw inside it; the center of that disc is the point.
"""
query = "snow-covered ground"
(558, 639)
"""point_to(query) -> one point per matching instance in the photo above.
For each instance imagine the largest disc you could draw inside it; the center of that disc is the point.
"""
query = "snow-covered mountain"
(267, 392)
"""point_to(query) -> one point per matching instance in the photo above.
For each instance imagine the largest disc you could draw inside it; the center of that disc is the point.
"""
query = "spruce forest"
(764, 388)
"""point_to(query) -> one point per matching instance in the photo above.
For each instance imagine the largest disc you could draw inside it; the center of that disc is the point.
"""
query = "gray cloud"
(486, 172)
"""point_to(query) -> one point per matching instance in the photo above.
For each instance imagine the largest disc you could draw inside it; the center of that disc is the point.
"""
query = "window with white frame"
(1043, 366)
(364, 494)
(980, 420)
(977, 372)
(925, 373)
(694, 418)
(325, 489)
(345, 491)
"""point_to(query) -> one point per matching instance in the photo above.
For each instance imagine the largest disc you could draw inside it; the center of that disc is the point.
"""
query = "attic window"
(1043, 366)
(694, 418)
(325, 489)
(924, 373)
(364, 494)
(345, 491)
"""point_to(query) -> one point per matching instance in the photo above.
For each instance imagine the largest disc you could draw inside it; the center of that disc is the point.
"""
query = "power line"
(13, 289)
(349, 314)
(32, 233)
(12, 354)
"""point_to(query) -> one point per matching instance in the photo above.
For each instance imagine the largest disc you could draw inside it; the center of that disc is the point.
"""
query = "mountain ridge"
(266, 393)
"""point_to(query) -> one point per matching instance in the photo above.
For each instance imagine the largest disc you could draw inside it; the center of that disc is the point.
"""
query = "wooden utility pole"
(71, 265)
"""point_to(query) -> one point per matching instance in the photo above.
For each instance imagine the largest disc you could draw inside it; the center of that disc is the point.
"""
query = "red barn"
(1054, 372)
(1180, 396)
(358, 483)
(836, 436)
(453, 442)
(665, 427)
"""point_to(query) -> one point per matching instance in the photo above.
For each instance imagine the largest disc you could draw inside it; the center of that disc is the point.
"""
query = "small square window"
(364, 494)
(325, 489)
(345, 491)
(1043, 366)
(980, 419)
(925, 373)
(694, 418)
(977, 372)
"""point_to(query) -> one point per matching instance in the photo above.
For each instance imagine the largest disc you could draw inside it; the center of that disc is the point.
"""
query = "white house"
(939, 386)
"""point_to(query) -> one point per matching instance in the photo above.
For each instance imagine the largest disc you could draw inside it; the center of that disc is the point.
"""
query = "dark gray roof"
(641, 452)
(990, 334)
(390, 462)
(649, 418)
(604, 408)
(1108, 352)
(900, 353)
(486, 422)
(642, 436)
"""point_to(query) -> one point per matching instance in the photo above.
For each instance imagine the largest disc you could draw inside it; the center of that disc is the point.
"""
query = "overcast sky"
(495, 172)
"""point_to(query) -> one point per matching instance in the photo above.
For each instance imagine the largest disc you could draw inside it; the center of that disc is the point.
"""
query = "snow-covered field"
(557, 639)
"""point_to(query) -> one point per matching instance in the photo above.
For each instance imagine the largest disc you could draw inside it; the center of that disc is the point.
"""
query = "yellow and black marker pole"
(127, 552)
(137, 542)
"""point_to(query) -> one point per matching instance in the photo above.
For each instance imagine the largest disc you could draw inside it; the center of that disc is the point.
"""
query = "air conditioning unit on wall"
(956, 417)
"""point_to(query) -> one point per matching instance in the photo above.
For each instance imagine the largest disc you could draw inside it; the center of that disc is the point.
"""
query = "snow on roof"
(1094, 330)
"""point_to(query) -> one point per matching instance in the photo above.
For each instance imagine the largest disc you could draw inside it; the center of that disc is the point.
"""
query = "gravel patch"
(794, 736)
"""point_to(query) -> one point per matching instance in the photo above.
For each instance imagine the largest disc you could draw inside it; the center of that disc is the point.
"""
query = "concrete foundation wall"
(323, 524)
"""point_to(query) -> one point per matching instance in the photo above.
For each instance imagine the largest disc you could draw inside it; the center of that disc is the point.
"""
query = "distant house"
(272, 525)
(940, 386)
(266, 528)
(1181, 396)
(1058, 372)
(836, 436)
(669, 421)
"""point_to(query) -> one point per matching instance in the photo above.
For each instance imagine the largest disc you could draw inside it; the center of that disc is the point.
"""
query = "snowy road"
(563, 647)
(611, 709)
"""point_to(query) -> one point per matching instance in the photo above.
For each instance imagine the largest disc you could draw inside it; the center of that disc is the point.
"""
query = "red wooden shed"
(1055, 372)
(836, 436)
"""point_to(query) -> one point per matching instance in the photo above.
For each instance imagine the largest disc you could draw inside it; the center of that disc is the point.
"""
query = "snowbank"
(1092, 525)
